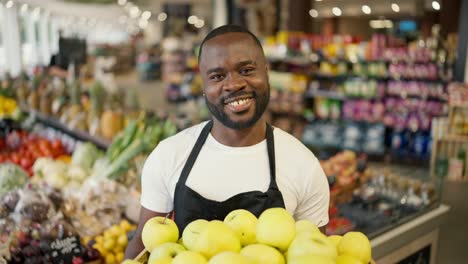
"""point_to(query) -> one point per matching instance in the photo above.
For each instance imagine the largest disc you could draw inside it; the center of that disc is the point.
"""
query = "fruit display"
(8, 107)
(242, 238)
(23, 148)
(345, 172)
(33, 229)
(112, 242)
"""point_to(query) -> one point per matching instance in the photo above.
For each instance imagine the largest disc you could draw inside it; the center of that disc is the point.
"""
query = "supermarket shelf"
(459, 105)
(454, 138)
(345, 77)
(325, 94)
(80, 135)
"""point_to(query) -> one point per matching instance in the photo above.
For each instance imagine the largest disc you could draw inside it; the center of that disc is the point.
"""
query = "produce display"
(22, 148)
(244, 238)
(77, 193)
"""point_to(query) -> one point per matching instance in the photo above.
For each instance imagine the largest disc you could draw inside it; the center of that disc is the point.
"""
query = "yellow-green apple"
(335, 239)
(260, 253)
(216, 237)
(310, 259)
(312, 244)
(158, 230)
(357, 245)
(303, 226)
(169, 249)
(163, 260)
(244, 224)
(348, 260)
(191, 257)
(276, 228)
(228, 257)
(130, 261)
(191, 233)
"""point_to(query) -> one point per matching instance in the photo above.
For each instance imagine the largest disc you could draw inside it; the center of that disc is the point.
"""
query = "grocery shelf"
(458, 105)
(80, 135)
(454, 138)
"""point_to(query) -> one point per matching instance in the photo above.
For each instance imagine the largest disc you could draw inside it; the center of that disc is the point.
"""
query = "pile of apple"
(273, 238)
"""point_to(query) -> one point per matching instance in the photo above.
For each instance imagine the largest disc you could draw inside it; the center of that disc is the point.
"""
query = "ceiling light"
(146, 15)
(162, 16)
(318, 0)
(135, 12)
(24, 8)
(122, 2)
(313, 13)
(192, 19)
(37, 11)
(9, 4)
(200, 23)
(435, 5)
(395, 8)
(366, 9)
(336, 11)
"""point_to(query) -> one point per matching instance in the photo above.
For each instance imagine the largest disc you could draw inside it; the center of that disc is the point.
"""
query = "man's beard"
(261, 103)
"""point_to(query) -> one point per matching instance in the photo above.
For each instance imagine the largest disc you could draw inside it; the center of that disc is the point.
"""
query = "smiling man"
(236, 160)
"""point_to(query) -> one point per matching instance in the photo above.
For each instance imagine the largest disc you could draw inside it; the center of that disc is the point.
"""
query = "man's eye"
(246, 70)
(216, 77)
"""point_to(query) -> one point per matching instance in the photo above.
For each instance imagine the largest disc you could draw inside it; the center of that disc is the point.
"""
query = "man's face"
(235, 75)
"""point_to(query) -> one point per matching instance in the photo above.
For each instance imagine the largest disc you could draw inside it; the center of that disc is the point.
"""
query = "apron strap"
(195, 151)
(271, 156)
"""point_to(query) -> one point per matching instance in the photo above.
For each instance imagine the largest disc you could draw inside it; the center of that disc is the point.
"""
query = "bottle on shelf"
(441, 164)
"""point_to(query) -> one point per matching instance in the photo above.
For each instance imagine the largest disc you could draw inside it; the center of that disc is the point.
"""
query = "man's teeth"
(239, 102)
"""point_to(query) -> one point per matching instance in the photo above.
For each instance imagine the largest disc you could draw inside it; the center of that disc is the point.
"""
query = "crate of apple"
(274, 237)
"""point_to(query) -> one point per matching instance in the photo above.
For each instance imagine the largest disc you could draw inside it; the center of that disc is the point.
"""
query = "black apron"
(190, 206)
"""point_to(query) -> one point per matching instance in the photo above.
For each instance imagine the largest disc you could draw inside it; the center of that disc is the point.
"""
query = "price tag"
(63, 250)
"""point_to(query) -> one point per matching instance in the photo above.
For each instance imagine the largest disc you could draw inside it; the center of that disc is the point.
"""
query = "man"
(236, 160)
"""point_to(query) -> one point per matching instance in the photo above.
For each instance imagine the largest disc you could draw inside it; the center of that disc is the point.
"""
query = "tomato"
(26, 163)
(15, 158)
(57, 144)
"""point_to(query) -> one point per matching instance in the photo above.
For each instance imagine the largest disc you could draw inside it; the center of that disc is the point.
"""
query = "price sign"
(63, 250)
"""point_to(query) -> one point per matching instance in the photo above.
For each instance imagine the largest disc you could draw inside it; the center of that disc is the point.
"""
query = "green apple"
(335, 239)
(192, 231)
(357, 245)
(303, 226)
(191, 257)
(163, 260)
(159, 230)
(312, 244)
(347, 260)
(310, 259)
(228, 257)
(244, 224)
(169, 249)
(216, 237)
(276, 228)
(130, 261)
(260, 253)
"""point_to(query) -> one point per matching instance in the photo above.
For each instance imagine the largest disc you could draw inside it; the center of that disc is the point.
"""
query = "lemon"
(115, 230)
(119, 257)
(122, 240)
(99, 240)
(110, 259)
(109, 244)
(125, 225)
(100, 249)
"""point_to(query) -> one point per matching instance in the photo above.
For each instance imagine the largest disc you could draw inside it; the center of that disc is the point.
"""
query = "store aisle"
(453, 246)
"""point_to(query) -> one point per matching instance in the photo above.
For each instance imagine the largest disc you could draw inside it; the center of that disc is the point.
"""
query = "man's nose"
(234, 82)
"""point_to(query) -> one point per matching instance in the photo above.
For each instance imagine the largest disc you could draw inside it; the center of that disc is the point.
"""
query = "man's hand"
(135, 246)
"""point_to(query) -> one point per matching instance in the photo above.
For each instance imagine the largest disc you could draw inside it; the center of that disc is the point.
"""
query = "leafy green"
(11, 177)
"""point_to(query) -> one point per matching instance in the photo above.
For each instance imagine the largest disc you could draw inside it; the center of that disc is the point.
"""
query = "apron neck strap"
(202, 139)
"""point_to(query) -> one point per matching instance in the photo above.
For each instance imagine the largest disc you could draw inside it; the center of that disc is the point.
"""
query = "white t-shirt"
(221, 172)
